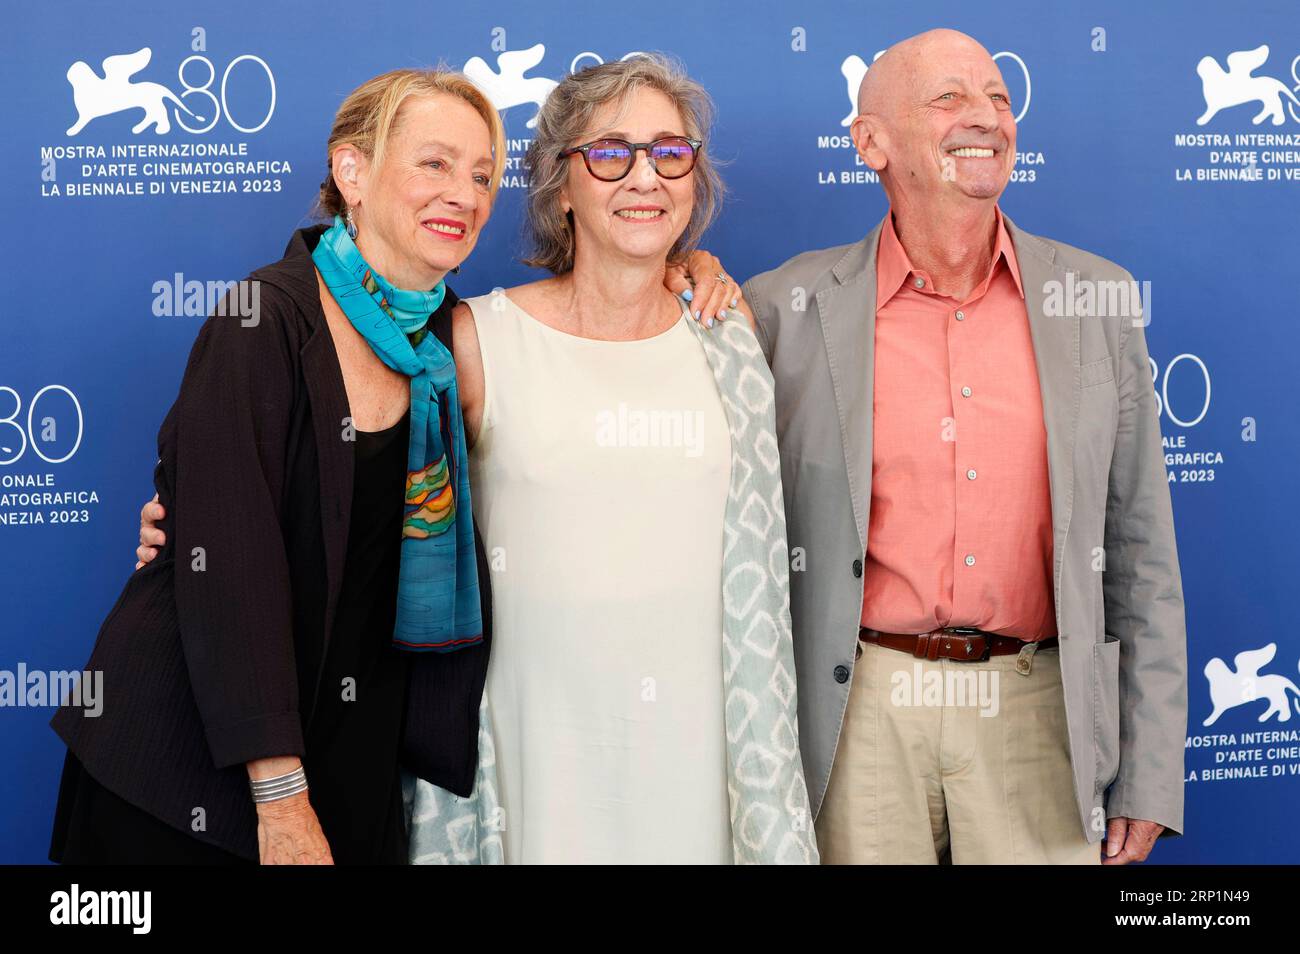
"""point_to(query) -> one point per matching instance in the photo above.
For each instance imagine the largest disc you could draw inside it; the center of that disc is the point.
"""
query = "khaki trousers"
(953, 763)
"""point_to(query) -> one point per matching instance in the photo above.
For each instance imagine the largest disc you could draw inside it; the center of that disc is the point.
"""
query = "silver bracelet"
(281, 786)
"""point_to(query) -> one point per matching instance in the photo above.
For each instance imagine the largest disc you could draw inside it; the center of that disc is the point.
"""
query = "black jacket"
(200, 669)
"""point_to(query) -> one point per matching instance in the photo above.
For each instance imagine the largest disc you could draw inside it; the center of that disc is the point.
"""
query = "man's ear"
(866, 131)
(349, 168)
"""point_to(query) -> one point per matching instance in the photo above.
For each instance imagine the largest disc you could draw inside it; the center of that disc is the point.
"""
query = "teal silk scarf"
(437, 591)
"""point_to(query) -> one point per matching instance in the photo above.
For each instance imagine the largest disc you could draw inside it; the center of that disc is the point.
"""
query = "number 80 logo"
(220, 106)
(28, 436)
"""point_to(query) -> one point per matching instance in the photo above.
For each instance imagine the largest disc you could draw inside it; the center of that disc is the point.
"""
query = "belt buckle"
(972, 631)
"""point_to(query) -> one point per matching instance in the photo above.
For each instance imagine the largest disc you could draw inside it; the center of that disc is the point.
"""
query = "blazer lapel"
(329, 407)
(848, 319)
(1056, 353)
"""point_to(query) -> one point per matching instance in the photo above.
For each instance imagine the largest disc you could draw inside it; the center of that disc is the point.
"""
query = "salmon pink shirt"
(961, 518)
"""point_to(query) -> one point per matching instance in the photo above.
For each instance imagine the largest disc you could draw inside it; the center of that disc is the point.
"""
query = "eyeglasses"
(611, 159)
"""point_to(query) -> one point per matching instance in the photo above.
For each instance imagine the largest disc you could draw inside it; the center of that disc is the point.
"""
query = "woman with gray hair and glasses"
(640, 703)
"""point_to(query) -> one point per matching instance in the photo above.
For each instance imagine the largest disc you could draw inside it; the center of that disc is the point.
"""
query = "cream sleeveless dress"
(599, 482)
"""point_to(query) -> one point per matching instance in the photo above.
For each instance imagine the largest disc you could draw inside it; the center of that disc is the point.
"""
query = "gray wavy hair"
(567, 114)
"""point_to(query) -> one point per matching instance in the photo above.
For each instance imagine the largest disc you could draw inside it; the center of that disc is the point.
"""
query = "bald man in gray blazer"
(1086, 739)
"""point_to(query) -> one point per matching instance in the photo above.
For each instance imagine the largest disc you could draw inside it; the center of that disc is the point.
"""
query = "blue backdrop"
(102, 237)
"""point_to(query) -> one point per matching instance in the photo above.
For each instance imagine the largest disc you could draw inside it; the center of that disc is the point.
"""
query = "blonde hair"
(367, 117)
(566, 115)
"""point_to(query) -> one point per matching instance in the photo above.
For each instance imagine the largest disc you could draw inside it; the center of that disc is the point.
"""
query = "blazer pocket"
(1096, 372)
(1105, 710)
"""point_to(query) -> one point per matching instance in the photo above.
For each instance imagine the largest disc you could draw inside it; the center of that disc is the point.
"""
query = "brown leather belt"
(960, 643)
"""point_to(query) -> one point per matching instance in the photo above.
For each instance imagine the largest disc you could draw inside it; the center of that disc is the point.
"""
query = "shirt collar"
(894, 268)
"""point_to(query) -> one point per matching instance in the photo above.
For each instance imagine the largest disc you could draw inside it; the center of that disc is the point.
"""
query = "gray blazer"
(1122, 633)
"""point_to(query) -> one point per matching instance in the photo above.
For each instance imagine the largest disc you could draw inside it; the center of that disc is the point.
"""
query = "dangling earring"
(456, 270)
(351, 226)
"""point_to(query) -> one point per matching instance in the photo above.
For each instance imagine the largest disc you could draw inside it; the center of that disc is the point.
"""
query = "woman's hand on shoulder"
(708, 287)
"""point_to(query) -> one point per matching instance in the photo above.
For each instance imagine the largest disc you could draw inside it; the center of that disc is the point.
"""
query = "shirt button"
(960, 316)
(970, 559)
(965, 392)
(857, 568)
(970, 474)
(919, 282)
(841, 674)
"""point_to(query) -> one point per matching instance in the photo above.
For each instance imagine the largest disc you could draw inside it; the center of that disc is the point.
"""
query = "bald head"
(895, 75)
(935, 122)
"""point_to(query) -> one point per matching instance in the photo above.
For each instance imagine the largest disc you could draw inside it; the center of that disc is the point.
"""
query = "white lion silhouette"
(509, 87)
(1229, 688)
(95, 97)
(854, 68)
(1236, 86)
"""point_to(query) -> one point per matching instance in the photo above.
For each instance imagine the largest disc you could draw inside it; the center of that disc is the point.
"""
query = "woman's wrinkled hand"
(289, 833)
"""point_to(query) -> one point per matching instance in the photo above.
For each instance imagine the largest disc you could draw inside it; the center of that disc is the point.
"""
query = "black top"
(213, 654)
(353, 742)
